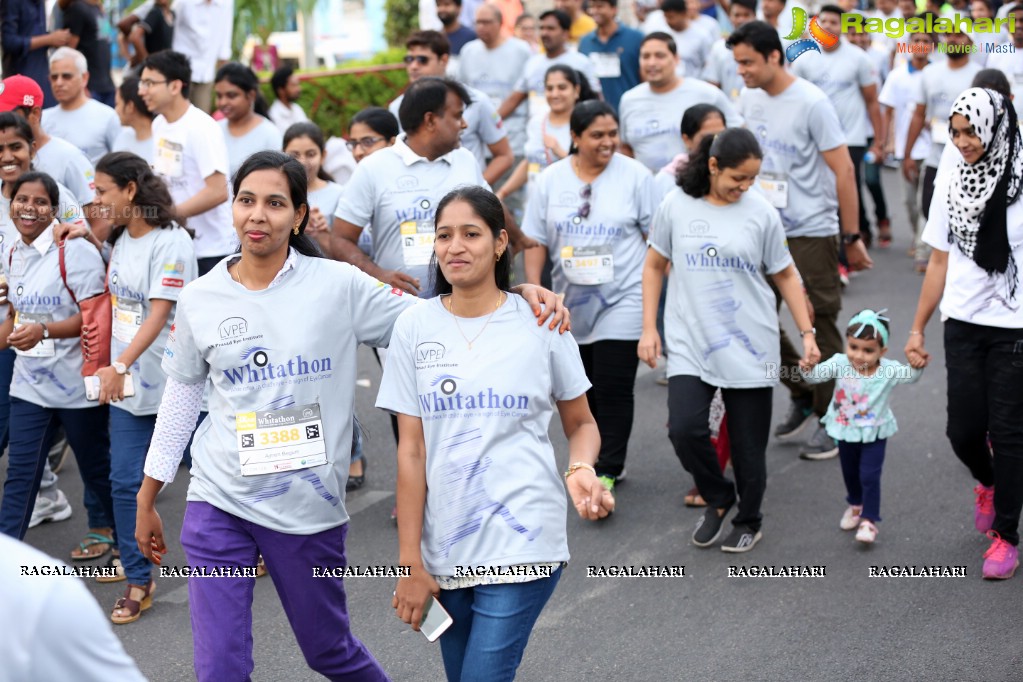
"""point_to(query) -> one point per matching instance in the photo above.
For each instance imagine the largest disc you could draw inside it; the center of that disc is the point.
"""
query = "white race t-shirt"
(92, 127)
(897, 94)
(971, 295)
(286, 115)
(187, 152)
(264, 136)
(494, 493)
(937, 90)
(282, 379)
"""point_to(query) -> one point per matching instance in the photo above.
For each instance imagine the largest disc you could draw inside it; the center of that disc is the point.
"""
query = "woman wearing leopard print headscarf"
(976, 229)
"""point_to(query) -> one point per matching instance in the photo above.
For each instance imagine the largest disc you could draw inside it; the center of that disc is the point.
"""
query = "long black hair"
(583, 116)
(487, 206)
(298, 188)
(730, 147)
(245, 79)
(314, 133)
(574, 77)
(151, 194)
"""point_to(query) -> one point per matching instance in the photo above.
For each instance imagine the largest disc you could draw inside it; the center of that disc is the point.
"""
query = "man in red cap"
(53, 155)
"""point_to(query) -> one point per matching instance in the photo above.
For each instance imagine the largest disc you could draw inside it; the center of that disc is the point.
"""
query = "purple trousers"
(221, 608)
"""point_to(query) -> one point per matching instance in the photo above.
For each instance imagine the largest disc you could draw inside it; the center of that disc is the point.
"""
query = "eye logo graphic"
(818, 36)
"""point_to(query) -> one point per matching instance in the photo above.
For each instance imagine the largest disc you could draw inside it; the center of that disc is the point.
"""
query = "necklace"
(468, 341)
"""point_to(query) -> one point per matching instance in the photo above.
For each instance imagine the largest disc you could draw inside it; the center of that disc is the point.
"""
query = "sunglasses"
(586, 193)
(421, 59)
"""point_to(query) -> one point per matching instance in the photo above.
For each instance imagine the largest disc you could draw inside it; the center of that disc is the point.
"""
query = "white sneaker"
(58, 509)
(851, 518)
(867, 532)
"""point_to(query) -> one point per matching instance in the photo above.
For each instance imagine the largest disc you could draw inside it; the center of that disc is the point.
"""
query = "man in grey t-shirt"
(808, 175)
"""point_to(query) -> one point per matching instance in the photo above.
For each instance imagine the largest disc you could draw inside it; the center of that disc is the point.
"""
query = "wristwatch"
(46, 332)
(119, 367)
(811, 330)
(851, 238)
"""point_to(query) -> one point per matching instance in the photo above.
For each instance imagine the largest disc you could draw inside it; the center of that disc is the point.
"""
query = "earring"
(295, 231)
(497, 256)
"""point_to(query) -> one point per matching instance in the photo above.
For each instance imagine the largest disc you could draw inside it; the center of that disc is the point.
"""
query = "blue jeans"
(129, 443)
(6, 377)
(861, 471)
(32, 434)
(492, 624)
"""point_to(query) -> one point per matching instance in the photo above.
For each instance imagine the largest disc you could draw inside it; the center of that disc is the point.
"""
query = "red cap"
(20, 91)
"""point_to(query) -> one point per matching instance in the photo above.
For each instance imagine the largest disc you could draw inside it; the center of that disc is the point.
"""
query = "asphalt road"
(706, 625)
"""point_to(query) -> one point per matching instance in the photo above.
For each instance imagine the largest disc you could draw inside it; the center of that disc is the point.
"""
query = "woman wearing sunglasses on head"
(590, 212)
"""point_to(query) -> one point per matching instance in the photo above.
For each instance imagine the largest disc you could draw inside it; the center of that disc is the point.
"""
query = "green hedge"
(341, 97)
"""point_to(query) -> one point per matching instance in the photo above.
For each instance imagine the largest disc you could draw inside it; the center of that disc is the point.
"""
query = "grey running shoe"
(800, 416)
(819, 446)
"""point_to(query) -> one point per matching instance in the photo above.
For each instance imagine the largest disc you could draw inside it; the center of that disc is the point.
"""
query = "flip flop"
(132, 607)
(85, 553)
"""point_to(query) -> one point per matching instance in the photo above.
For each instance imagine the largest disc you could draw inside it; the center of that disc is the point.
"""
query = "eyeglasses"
(586, 193)
(364, 142)
(421, 59)
(148, 83)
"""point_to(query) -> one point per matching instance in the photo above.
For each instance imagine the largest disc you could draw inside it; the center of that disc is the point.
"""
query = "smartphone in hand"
(435, 620)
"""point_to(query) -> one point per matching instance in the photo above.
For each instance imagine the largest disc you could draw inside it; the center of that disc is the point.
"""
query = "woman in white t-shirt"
(547, 135)
(721, 324)
(304, 142)
(136, 134)
(270, 461)
(976, 230)
(246, 128)
(151, 261)
(474, 385)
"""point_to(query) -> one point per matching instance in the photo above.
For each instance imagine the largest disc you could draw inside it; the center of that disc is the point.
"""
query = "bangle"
(576, 466)
(915, 332)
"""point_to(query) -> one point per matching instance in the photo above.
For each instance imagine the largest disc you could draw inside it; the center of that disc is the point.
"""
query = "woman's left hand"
(111, 385)
(811, 354)
(65, 231)
(546, 304)
(26, 337)
(589, 496)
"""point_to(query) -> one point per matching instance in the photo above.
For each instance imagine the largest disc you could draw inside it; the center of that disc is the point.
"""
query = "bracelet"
(811, 331)
(915, 332)
(572, 468)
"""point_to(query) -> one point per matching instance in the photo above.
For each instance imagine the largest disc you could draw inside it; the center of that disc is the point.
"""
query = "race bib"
(939, 131)
(417, 242)
(127, 318)
(169, 158)
(588, 265)
(532, 170)
(43, 349)
(606, 64)
(775, 187)
(280, 440)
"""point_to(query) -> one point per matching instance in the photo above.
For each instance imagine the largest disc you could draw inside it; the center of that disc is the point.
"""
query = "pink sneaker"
(984, 508)
(1001, 559)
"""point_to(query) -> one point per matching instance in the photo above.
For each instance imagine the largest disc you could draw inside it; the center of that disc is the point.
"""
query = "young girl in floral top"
(859, 417)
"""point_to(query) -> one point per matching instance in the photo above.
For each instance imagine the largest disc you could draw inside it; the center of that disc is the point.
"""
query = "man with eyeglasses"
(84, 122)
(396, 189)
(190, 155)
(427, 56)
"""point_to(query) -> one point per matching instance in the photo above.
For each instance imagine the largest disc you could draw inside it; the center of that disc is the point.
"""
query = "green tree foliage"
(402, 19)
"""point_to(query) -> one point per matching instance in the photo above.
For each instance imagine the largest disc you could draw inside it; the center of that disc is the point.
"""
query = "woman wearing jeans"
(477, 481)
(47, 391)
(151, 261)
(590, 213)
(976, 230)
(723, 242)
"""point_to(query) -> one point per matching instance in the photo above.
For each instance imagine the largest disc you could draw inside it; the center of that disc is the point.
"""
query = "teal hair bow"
(869, 318)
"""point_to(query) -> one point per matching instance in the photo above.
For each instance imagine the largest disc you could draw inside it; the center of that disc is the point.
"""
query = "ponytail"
(730, 147)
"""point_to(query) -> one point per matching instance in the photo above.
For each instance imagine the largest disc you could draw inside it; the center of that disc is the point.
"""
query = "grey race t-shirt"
(66, 164)
(650, 122)
(264, 136)
(494, 494)
(531, 82)
(396, 192)
(50, 375)
(722, 69)
(841, 75)
(155, 266)
(92, 127)
(483, 125)
(720, 318)
(793, 129)
(275, 351)
(128, 141)
(495, 73)
(938, 89)
(693, 44)
(326, 199)
(597, 261)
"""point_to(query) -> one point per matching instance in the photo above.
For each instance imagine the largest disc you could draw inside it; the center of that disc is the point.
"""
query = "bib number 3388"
(280, 440)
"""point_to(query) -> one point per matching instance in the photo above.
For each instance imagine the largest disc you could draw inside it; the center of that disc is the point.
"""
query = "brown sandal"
(693, 498)
(130, 608)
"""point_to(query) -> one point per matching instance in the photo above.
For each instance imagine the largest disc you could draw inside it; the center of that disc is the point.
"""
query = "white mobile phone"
(92, 387)
(435, 620)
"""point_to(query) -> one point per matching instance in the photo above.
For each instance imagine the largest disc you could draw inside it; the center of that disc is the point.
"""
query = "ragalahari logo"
(818, 36)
